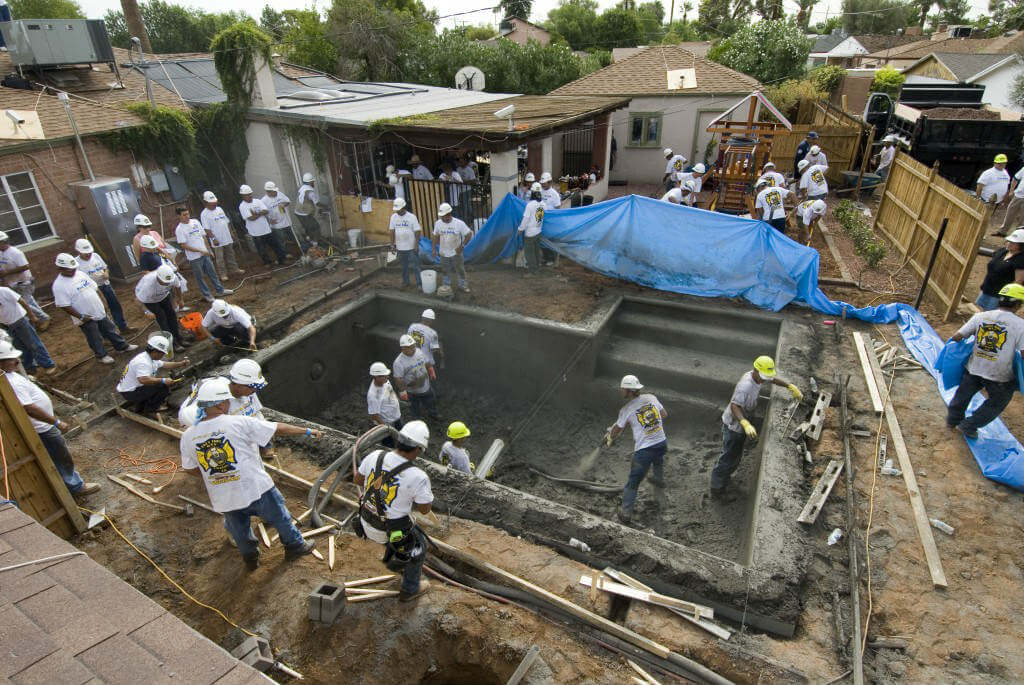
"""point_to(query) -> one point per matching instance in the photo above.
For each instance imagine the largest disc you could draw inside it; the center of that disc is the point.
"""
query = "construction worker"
(224, 449)
(144, 227)
(774, 178)
(994, 183)
(218, 229)
(39, 408)
(394, 486)
(77, 295)
(93, 266)
(382, 400)
(773, 204)
(307, 202)
(816, 156)
(451, 235)
(802, 149)
(808, 214)
(523, 191)
(154, 292)
(405, 239)
(427, 338)
(674, 195)
(139, 384)
(736, 426)
(245, 380)
(278, 203)
(413, 373)
(1014, 216)
(255, 213)
(229, 324)
(998, 338)
(673, 164)
(18, 277)
(19, 322)
(689, 192)
(454, 181)
(453, 454)
(645, 415)
(813, 184)
(419, 170)
(191, 236)
(549, 195)
(885, 156)
(530, 227)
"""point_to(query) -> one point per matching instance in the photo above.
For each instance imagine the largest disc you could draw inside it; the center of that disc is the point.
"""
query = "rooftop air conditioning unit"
(53, 42)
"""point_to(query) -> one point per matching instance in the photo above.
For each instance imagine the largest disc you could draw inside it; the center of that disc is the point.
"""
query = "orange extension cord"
(125, 461)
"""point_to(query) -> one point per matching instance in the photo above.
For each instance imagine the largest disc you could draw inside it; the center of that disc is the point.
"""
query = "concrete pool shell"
(689, 354)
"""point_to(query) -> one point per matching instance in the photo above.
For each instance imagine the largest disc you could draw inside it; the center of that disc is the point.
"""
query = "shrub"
(869, 246)
(827, 77)
(787, 95)
(888, 81)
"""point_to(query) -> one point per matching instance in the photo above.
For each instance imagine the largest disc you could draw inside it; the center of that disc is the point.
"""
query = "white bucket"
(355, 237)
(429, 278)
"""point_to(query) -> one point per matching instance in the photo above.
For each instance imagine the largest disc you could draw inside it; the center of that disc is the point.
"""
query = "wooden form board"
(602, 583)
(713, 628)
(865, 354)
(915, 200)
(821, 492)
(924, 529)
(34, 481)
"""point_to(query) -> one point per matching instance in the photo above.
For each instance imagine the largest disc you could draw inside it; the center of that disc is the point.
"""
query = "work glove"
(608, 436)
(797, 395)
(403, 396)
(432, 373)
(749, 429)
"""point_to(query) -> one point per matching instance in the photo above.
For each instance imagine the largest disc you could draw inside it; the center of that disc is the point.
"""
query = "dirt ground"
(967, 633)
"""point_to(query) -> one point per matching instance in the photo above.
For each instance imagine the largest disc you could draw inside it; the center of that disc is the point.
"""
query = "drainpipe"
(66, 101)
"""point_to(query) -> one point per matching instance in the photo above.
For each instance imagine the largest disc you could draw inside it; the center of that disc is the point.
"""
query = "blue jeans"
(236, 335)
(987, 302)
(27, 291)
(410, 260)
(33, 351)
(271, 508)
(999, 396)
(531, 252)
(94, 332)
(644, 459)
(732, 450)
(204, 265)
(412, 571)
(116, 313)
(422, 404)
(57, 448)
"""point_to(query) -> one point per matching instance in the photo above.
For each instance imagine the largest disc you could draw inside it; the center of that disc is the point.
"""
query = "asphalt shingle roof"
(964, 66)
(645, 74)
(874, 42)
(91, 117)
(827, 42)
(922, 48)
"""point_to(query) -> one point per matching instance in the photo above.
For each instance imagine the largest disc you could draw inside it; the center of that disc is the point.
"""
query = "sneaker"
(227, 291)
(43, 325)
(50, 371)
(408, 597)
(106, 360)
(969, 432)
(252, 563)
(87, 489)
(130, 348)
(208, 298)
(130, 329)
(307, 547)
(222, 277)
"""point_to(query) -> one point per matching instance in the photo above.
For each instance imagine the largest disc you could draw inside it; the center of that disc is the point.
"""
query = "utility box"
(52, 42)
(108, 206)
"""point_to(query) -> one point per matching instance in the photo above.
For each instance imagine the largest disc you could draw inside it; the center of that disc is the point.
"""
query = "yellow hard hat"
(1012, 290)
(458, 430)
(1000, 159)
(765, 366)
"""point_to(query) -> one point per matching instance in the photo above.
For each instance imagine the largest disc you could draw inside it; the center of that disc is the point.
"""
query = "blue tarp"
(686, 250)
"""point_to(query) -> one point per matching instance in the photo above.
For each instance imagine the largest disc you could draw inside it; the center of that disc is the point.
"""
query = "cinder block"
(326, 602)
(255, 651)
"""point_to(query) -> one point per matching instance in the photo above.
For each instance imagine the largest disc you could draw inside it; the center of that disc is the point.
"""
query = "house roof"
(697, 47)
(922, 48)
(514, 27)
(71, 620)
(91, 116)
(874, 42)
(966, 66)
(823, 44)
(645, 74)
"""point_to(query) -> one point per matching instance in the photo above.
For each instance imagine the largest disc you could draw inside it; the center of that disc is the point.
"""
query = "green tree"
(480, 32)
(877, 16)
(45, 9)
(237, 51)
(272, 23)
(516, 8)
(889, 81)
(769, 50)
(652, 18)
(823, 28)
(681, 32)
(617, 28)
(173, 28)
(954, 11)
(721, 18)
(1007, 15)
(573, 21)
(769, 9)
(923, 7)
(803, 15)
(305, 40)
(376, 39)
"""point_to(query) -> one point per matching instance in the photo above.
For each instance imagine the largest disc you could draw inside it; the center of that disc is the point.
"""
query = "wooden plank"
(370, 598)
(821, 492)
(368, 581)
(155, 425)
(713, 628)
(531, 655)
(695, 610)
(837, 257)
(869, 378)
(648, 678)
(924, 529)
(969, 266)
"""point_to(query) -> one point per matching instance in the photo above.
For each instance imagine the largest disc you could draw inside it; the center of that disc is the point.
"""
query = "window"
(23, 217)
(645, 129)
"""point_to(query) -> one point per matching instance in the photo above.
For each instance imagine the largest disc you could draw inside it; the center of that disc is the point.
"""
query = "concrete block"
(255, 652)
(326, 602)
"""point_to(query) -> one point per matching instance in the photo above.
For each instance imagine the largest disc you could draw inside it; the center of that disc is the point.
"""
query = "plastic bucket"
(355, 237)
(193, 323)
(429, 278)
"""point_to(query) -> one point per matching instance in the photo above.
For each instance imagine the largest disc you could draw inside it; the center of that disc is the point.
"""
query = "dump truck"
(948, 124)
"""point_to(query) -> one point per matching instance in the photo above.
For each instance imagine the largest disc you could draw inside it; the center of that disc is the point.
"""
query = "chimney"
(264, 94)
(133, 19)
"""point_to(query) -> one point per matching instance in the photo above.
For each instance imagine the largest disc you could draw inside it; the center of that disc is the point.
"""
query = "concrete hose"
(369, 437)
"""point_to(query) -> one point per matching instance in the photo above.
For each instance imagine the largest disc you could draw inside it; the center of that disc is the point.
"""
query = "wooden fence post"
(885, 187)
(971, 256)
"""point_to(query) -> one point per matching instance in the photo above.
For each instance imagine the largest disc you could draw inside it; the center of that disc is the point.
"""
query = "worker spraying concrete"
(412, 374)
(453, 452)
(645, 416)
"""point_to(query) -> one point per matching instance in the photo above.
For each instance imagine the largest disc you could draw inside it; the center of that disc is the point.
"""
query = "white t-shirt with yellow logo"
(226, 450)
(411, 486)
(643, 413)
(998, 335)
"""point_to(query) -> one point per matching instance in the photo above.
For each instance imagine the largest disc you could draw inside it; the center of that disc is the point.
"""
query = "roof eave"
(1014, 57)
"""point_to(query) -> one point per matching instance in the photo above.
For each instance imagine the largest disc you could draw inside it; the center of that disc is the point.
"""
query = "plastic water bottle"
(834, 537)
(943, 526)
(889, 470)
(579, 544)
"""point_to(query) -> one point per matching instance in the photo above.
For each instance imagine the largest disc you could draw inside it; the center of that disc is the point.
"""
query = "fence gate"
(470, 202)
(577, 151)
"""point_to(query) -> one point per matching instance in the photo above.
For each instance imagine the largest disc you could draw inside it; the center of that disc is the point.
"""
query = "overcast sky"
(97, 8)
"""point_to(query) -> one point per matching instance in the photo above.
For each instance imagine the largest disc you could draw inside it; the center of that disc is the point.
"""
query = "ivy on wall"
(237, 51)
(312, 138)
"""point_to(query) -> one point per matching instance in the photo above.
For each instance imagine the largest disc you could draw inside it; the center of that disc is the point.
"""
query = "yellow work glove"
(749, 429)
(797, 395)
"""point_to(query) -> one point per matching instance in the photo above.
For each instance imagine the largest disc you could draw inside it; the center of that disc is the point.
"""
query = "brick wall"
(56, 166)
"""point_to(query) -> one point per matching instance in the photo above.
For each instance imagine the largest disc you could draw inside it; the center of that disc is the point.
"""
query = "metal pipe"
(66, 101)
(931, 262)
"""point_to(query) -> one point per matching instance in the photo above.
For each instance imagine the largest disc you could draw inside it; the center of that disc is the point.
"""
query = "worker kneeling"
(231, 325)
(393, 486)
(225, 450)
(998, 338)
(139, 383)
(644, 414)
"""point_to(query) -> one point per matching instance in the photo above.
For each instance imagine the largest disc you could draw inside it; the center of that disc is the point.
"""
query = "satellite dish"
(469, 78)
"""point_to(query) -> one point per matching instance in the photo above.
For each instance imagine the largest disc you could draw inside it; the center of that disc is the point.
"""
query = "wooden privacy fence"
(839, 138)
(915, 200)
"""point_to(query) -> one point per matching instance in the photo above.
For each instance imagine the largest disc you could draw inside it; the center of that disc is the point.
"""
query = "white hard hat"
(428, 314)
(8, 351)
(244, 190)
(761, 182)
(142, 220)
(208, 196)
(247, 372)
(148, 242)
(66, 261)
(416, 432)
(390, 168)
(699, 168)
(269, 185)
(379, 369)
(214, 391)
(768, 164)
(630, 382)
(307, 177)
(815, 149)
(818, 207)
(536, 188)
(444, 209)
(165, 274)
(406, 341)
(398, 204)
(690, 185)
(84, 246)
(545, 177)
(1016, 237)
(220, 307)
(3, 237)
(667, 151)
(159, 343)
(530, 178)
(802, 164)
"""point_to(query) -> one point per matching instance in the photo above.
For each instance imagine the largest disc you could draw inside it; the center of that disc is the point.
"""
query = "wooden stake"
(531, 655)
(317, 531)
(137, 479)
(155, 425)
(370, 598)
(330, 552)
(316, 553)
(696, 610)
(143, 495)
(368, 581)
(263, 533)
(648, 678)
(713, 628)
(364, 590)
